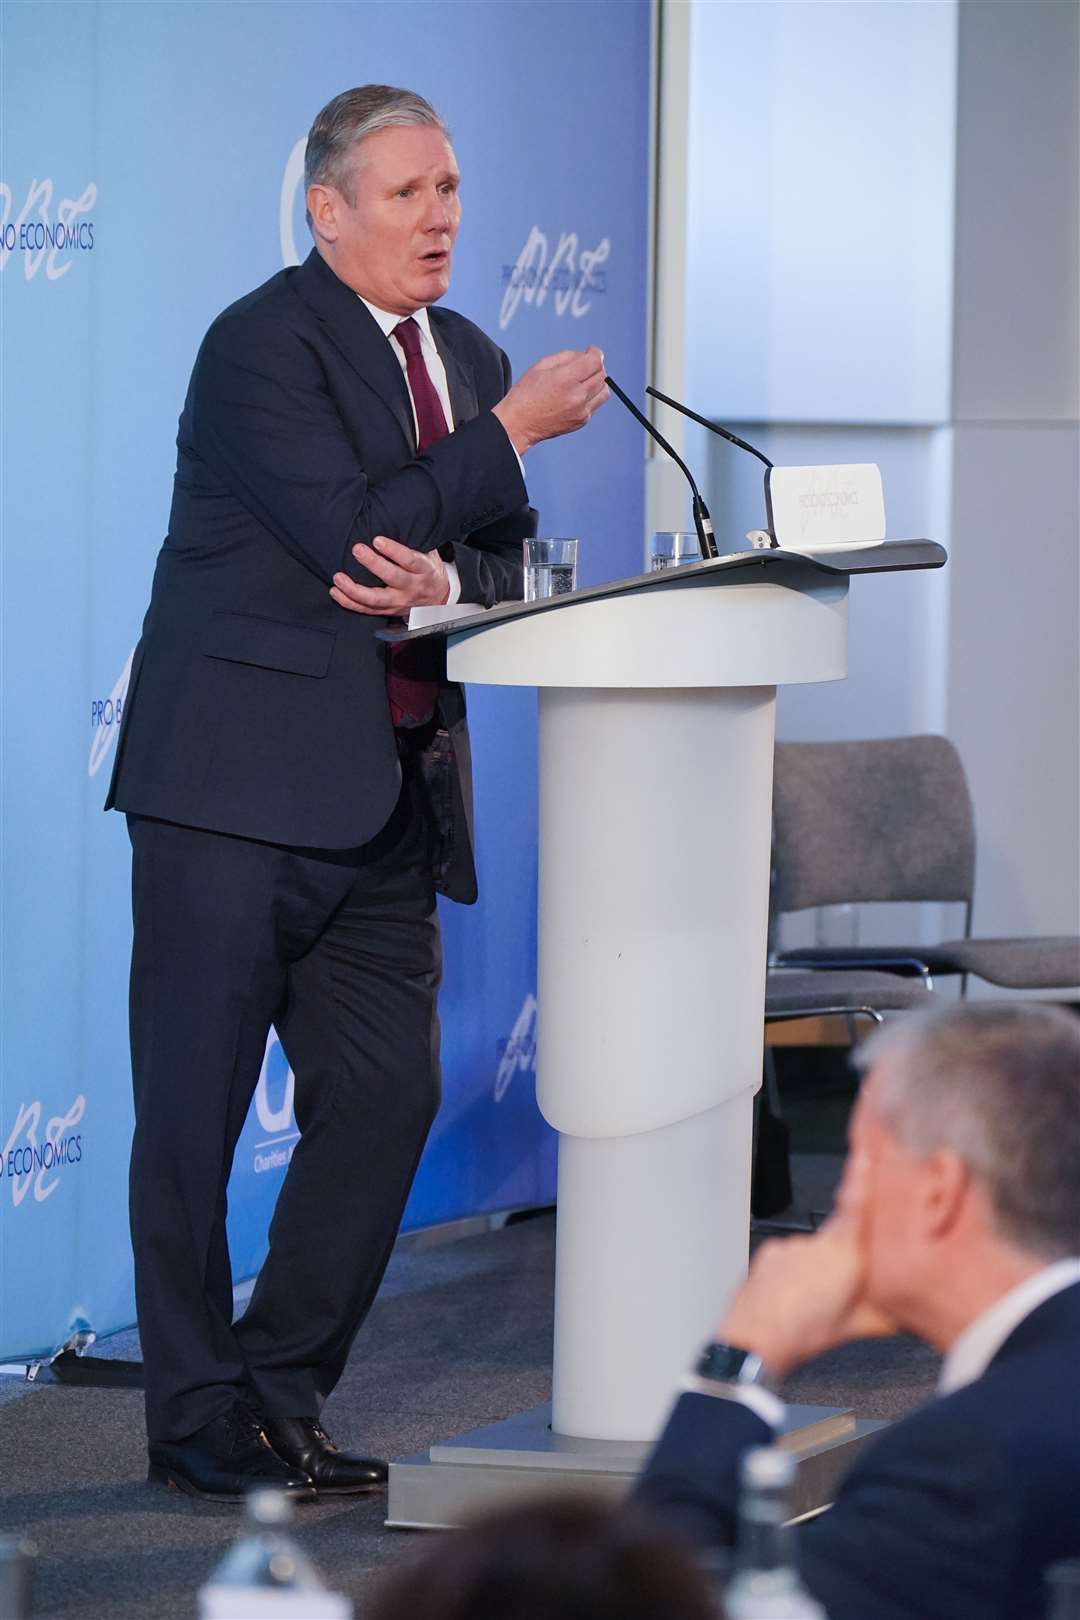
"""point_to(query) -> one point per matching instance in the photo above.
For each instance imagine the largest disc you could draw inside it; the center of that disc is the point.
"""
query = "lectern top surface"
(776, 567)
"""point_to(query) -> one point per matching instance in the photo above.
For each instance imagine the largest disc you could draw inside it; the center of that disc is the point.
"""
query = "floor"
(460, 1336)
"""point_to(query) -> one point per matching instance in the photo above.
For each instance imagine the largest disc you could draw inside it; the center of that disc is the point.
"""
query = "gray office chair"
(892, 819)
(803, 993)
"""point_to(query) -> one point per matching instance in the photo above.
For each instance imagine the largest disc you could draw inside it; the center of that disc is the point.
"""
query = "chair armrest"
(840, 959)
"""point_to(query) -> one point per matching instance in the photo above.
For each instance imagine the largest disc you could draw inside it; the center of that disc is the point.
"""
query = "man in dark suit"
(958, 1221)
(346, 454)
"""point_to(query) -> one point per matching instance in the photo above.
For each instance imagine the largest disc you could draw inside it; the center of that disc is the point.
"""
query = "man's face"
(393, 244)
(892, 1184)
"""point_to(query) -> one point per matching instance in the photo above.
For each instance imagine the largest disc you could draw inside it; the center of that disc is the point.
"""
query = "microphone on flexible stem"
(713, 427)
(760, 539)
(702, 521)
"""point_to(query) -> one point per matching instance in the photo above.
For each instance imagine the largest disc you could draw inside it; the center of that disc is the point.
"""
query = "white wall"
(881, 263)
(896, 669)
(1014, 666)
(1014, 673)
(821, 209)
(1017, 298)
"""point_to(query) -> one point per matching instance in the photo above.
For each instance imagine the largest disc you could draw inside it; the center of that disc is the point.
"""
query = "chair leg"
(771, 1180)
(770, 1185)
(772, 1085)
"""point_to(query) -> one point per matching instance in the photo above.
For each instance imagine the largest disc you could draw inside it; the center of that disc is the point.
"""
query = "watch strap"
(730, 1364)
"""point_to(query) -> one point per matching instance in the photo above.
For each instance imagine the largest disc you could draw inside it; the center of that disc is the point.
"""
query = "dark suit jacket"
(257, 705)
(952, 1514)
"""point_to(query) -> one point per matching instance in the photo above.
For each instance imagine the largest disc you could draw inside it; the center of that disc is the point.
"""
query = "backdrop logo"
(519, 1056)
(30, 1160)
(38, 237)
(277, 1122)
(288, 206)
(570, 275)
(105, 716)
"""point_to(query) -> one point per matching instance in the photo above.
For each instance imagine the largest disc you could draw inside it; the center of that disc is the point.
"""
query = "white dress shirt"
(769, 1406)
(980, 1342)
(437, 373)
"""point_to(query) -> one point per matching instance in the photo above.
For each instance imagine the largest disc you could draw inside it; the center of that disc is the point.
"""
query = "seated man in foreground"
(958, 1220)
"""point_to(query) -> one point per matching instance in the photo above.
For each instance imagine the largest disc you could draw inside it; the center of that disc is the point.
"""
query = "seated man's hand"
(805, 1295)
(411, 579)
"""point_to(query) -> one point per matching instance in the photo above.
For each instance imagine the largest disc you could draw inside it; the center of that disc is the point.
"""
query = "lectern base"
(506, 1462)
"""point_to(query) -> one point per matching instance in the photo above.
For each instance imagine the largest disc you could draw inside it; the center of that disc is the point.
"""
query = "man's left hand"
(412, 579)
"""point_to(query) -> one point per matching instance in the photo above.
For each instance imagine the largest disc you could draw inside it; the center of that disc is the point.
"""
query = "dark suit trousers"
(339, 950)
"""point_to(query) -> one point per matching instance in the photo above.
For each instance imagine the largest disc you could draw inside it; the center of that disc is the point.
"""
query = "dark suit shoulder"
(1029, 1396)
(1002, 1452)
(272, 313)
(270, 330)
(267, 300)
(1027, 1399)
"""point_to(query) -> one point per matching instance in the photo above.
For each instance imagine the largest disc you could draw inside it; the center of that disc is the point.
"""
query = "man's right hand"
(806, 1295)
(557, 395)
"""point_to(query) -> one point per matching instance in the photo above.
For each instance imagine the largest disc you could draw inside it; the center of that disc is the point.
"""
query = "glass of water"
(550, 568)
(671, 549)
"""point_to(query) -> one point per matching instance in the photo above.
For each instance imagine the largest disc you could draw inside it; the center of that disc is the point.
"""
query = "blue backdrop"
(151, 161)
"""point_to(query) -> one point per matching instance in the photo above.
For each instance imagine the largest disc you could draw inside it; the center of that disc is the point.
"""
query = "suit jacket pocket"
(247, 638)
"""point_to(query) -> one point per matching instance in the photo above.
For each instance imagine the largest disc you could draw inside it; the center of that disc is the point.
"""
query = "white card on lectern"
(421, 617)
(825, 508)
(266, 1603)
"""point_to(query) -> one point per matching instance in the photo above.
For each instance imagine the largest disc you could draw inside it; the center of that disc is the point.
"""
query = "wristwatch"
(728, 1364)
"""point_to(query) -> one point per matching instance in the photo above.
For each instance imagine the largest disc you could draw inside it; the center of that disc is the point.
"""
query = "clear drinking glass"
(550, 568)
(669, 548)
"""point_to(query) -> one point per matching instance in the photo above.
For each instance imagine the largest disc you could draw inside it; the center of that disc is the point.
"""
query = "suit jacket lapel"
(358, 336)
(459, 376)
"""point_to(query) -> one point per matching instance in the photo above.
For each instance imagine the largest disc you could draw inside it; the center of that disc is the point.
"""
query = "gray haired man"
(958, 1221)
(348, 451)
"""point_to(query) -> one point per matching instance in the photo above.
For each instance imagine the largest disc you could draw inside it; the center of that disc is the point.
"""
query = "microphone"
(713, 427)
(702, 521)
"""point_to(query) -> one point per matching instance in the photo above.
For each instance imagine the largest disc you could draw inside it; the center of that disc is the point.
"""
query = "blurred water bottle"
(766, 1584)
(1063, 1591)
(16, 1575)
(265, 1576)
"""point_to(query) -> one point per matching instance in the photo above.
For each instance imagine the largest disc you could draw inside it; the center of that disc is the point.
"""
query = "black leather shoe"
(224, 1460)
(302, 1444)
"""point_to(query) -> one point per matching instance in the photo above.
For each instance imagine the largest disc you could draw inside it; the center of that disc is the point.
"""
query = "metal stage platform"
(522, 1456)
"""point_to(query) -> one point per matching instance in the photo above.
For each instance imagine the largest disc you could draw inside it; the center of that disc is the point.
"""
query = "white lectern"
(657, 704)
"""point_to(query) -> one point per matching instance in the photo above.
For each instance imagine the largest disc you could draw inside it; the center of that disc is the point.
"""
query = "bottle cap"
(767, 1468)
(269, 1508)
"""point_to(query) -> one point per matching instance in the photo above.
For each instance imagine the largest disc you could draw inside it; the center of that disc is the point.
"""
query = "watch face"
(722, 1362)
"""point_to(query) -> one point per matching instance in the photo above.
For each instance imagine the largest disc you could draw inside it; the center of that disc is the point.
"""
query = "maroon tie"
(429, 412)
(412, 691)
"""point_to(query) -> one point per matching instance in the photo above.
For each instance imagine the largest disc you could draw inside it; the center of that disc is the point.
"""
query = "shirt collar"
(388, 321)
(980, 1342)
